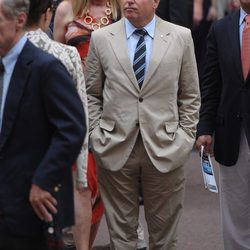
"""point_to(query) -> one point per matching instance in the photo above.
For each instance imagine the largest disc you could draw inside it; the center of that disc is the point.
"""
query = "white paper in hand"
(208, 172)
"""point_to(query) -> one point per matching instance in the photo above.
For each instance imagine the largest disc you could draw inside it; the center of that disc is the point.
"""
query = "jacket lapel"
(233, 32)
(161, 43)
(17, 85)
(119, 45)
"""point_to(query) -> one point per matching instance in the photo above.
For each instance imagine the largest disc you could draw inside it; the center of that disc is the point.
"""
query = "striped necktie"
(245, 49)
(139, 63)
(1, 82)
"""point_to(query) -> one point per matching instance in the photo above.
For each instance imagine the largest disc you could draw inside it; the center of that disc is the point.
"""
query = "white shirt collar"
(243, 14)
(130, 28)
(9, 60)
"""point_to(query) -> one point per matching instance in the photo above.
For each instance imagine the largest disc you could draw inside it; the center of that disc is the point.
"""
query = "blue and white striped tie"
(139, 63)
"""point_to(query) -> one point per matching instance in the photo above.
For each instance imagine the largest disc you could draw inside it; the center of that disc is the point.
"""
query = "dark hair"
(37, 8)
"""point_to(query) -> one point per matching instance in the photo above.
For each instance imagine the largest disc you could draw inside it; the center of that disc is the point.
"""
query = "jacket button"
(140, 99)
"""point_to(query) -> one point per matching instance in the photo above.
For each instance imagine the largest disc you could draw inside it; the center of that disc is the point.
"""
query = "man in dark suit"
(225, 112)
(42, 126)
(176, 11)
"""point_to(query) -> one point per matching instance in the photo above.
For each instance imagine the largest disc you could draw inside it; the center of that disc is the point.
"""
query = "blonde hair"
(80, 7)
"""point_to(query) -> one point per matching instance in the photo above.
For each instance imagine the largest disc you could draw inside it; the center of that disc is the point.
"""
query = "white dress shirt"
(133, 39)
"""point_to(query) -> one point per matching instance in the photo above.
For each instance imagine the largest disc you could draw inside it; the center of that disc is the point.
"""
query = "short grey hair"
(12, 8)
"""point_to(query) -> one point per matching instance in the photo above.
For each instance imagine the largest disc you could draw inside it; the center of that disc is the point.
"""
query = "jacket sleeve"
(210, 88)
(189, 92)
(94, 82)
(65, 115)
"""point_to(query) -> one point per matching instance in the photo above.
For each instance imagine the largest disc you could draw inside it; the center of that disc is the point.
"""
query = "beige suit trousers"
(163, 201)
(235, 200)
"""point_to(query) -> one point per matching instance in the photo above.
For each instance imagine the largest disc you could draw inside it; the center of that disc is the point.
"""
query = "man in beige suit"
(142, 121)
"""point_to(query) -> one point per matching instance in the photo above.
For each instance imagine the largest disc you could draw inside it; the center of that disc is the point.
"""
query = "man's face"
(139, 12)
(9, 31)
(245, 4)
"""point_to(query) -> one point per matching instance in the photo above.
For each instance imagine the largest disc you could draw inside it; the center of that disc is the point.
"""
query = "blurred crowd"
(77, 120)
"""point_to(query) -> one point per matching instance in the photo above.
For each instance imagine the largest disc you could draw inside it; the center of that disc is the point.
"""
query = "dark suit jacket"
(225, 94)
(42, 132)
(176, 11)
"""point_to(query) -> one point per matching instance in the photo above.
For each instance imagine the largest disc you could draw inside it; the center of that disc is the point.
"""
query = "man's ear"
(156, 3)
(45, 19)
(21, 21)
(48, 16)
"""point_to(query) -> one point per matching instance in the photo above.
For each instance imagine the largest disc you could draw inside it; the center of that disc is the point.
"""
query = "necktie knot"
(247, 19)
(140, 32)
(1, 66)
(247, 22)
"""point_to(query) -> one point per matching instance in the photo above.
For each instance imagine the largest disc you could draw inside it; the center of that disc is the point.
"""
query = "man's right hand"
(43, 203)
(206, 141)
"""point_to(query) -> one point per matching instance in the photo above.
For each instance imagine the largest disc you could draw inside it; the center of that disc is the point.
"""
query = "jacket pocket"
(108, 125)
(171, 127)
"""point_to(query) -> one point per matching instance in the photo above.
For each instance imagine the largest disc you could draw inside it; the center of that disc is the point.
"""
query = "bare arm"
(213, 12)
(63, 16)
(198, 12)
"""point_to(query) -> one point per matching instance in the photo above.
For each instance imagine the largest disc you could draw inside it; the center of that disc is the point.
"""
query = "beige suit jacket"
(164, 110)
